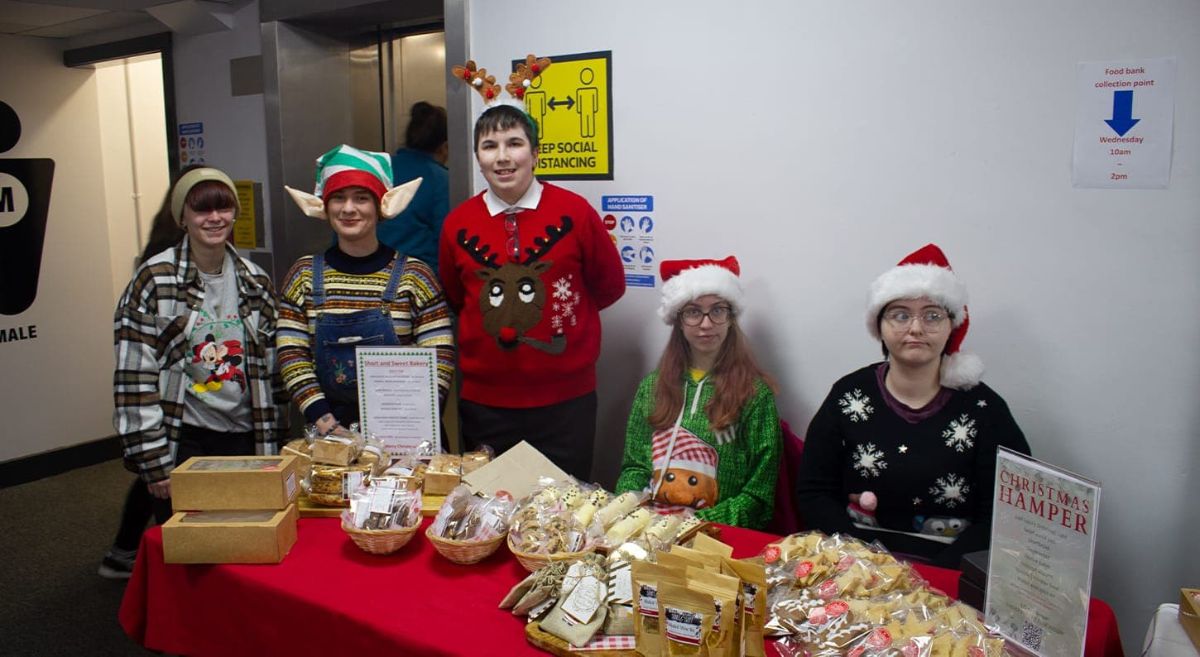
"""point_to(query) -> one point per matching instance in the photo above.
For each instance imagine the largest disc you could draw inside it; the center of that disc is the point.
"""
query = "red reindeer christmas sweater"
(529, 323)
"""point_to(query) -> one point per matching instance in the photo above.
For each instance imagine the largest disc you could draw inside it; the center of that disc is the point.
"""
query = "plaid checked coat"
(152, 322)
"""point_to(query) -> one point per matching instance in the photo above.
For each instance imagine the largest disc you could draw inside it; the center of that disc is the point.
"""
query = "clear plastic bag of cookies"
(383, 505)
(465, 516)
(549, 519)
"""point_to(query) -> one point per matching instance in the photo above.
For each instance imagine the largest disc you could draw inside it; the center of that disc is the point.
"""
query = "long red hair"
(733, 376)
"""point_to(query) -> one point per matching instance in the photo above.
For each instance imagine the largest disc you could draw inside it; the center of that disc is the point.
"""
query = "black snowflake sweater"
(932, 469)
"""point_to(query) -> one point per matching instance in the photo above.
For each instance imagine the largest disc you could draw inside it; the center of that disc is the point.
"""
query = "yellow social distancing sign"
(571, 103)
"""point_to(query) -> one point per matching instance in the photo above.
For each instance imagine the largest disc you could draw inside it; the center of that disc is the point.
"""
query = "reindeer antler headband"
(518, 81)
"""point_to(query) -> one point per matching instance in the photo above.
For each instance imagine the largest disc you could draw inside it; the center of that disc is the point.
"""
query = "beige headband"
(193, 178)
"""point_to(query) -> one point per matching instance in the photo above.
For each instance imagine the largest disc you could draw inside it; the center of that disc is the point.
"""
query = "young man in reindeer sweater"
(528, 267)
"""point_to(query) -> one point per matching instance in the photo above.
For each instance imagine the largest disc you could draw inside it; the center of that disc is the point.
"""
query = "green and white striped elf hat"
(346, 166)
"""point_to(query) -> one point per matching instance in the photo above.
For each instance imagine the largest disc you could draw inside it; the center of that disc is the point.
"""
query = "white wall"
(57, 390)
(234, 126)
(821, 142)
(134, 142)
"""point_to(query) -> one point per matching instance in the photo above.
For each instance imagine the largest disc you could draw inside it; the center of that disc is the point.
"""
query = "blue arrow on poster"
(1122, 120)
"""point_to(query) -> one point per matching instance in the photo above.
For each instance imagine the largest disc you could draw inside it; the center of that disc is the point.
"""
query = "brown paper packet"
(708, 560)
(752, 575)
(646, 579)
(705, 543)
(620, 620)
(687, 620)
(724, 591)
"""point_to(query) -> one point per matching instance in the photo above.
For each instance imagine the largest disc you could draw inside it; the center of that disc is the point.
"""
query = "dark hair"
(426, 128)
(209, 195)
(504, 117)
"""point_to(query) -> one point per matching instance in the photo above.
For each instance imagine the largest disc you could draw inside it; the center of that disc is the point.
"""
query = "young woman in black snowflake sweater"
(917, 431)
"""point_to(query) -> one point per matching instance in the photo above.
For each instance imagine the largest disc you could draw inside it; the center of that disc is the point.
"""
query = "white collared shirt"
(528, 201)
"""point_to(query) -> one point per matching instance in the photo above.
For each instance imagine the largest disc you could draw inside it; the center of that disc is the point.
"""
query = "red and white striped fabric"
(690, 453)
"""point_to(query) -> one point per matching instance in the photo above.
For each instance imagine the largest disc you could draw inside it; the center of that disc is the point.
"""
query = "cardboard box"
(230, 483)
(443, 474)
(334, 450)
(516, 471)
(263, 536)
(1189, 614)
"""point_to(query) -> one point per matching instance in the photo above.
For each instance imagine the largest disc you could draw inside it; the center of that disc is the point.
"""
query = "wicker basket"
(380, 541)
(464, 552)
(534, 562)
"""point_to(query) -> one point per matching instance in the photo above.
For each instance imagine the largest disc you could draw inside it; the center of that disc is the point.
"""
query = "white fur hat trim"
(912, 282)
(691, 284)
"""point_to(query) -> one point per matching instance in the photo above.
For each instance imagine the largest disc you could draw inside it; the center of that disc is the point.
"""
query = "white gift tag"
(350, 483)
(585, 599)
(381, 500)
(359, 511)
(621, 583)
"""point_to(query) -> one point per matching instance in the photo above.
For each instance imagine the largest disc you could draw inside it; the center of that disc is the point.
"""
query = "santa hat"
(689, 453)
(687, 280)
(926, 273)
(346, 166)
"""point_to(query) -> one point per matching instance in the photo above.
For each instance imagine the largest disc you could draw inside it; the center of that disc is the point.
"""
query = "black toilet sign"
(24, 208)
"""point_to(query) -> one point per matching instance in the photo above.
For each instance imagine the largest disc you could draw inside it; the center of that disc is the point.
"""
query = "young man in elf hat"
(528, 267)
(918, 431)
(330, 303)
(703, 432)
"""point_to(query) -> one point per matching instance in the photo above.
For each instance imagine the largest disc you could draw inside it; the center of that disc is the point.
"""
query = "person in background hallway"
(414, 232)
(195, 352)
(918, 432)
(703, 431)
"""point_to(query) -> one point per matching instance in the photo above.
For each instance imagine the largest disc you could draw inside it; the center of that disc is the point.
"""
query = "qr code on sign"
(1032, 635)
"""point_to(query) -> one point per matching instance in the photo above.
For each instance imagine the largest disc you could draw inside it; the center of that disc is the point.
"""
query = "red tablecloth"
(330, 598)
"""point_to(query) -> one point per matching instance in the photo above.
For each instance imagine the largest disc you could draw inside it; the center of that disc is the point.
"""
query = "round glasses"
(694, 316)
(933, 321)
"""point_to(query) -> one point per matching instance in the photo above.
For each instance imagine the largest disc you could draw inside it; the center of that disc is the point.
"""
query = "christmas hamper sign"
(1043, 544)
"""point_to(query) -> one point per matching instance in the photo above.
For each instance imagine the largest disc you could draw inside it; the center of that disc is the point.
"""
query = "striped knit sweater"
(419, 314)
(747, 453)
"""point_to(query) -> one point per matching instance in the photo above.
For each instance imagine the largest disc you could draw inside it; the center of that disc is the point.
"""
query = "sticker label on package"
(289, 486)
(350, 483)
(648, 600)
(683, 626)
(750, 592)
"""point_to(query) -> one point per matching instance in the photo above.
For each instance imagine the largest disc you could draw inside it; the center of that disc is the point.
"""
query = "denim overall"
(337, 336)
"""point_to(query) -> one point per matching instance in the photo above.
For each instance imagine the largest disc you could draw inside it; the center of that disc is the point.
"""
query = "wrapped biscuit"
(628, 526)
(587, 509)
(620, 506)
(334, 485)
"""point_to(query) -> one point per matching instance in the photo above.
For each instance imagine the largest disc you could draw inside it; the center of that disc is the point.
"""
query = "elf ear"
(309, 204)
(398, 198)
